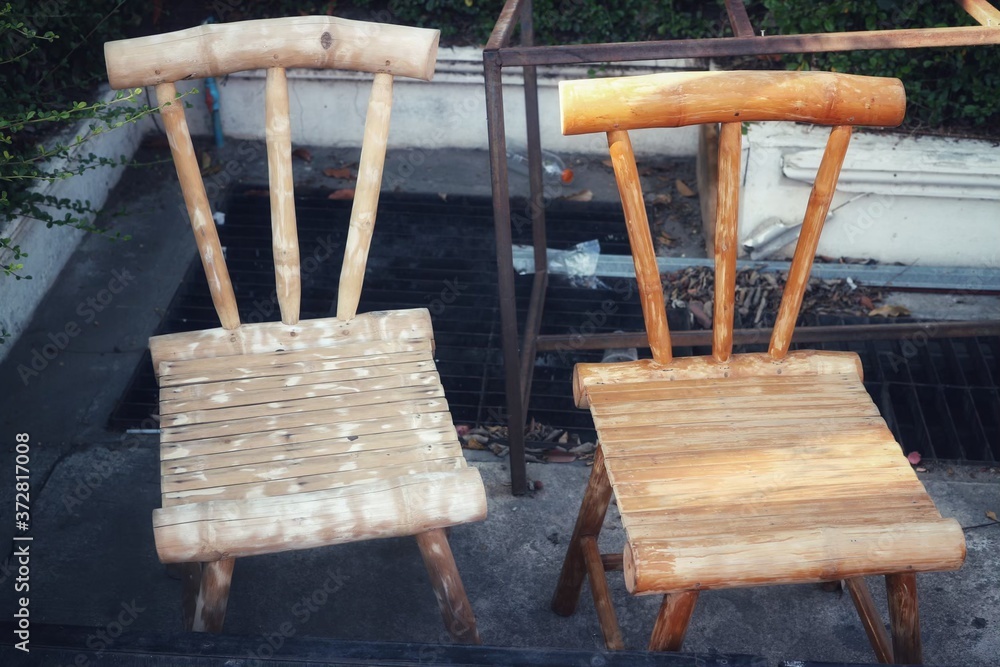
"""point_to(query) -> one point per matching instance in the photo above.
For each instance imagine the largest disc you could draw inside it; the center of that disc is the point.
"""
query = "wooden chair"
(747, 469)
(297, 434)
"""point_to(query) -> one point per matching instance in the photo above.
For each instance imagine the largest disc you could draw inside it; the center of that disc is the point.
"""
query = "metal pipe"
(716, 47)
(505, 268)
(821, 334)
(504, 27)
(532, 325)
(738, 18)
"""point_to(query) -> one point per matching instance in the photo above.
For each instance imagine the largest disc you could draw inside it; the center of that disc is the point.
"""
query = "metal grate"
(940, 397)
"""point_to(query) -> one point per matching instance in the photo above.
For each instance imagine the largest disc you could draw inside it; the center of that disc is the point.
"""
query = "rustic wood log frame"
(638, 406)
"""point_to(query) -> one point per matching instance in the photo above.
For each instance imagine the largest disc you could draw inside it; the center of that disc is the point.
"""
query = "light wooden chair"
(747, 469)
(297, 434)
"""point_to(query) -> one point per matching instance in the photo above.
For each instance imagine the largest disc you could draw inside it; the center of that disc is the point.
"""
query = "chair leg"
(588, 524)
(213, 595)
(904, 618)
(672, 621)
(602, 595)
(190, 575)
(455, 608)
(870, 619)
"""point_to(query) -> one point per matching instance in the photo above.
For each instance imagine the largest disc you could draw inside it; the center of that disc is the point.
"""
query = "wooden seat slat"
(348, 436)
(366, 401)
(282, 451)
(174, 398)
(319, 481)
(297, 419)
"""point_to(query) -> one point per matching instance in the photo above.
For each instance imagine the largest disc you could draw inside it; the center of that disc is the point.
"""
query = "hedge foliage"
(954, 87)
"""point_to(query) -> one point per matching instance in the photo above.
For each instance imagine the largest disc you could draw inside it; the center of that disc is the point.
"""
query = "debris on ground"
(758, 296)
(543, 443)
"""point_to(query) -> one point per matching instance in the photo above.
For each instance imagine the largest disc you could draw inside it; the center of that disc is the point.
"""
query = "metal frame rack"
(519, 357)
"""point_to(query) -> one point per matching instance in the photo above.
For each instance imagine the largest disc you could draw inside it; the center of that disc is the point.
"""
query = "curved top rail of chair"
(691, 98)
(317, 42)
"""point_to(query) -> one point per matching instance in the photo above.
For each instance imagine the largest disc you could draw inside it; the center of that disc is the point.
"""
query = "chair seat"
(282, 437)
(759, 472)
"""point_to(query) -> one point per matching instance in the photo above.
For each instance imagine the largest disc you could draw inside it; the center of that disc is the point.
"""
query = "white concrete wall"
(49, 248)
(328, 108)
(927, 200)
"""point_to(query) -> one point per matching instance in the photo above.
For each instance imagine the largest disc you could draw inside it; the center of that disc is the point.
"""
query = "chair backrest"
(617, 105)
(315, 42)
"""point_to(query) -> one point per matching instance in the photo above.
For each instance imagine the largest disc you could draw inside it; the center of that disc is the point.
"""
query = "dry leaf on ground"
(303, 154)
(658, 199)
(889, 311)
(991, 515)
(684, 189)
(346, 193)
(343, 173)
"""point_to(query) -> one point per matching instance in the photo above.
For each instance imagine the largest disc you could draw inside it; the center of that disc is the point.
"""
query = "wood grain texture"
(196, 200)
(190, 575)
(727, 213)
(213, 595)
(382, 508)
(315, 42)
(691, 98)
(369, 184)
(820, 198)
(904, 617)
(981, 10)
(733, 475)
(589, 520)
(210, 345)
(751, 365)
(601, 594)
(449, 590)
(284, 237)
(647, 272)
(672, 621)
(809, 555)
(870, 618)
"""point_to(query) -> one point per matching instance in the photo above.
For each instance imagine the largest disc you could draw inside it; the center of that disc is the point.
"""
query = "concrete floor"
(92, 492)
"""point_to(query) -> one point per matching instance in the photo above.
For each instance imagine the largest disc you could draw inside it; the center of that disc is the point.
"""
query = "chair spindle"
(805, 250)
(726, 223)
(284, 237)
(196, 199)
(359, 236)
(643, 255)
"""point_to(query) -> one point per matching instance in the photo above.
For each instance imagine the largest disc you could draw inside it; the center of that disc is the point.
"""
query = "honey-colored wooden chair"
(744, 469)
(297, 434)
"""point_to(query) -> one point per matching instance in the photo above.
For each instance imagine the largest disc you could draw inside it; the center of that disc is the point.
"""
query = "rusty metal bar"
(537, 197)
(532, 325)
(498, 54)
(504, 27)
(821, 334)
(738, 18)
(982, 11)
(536, 211)
(505, 269)
(719, 47)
